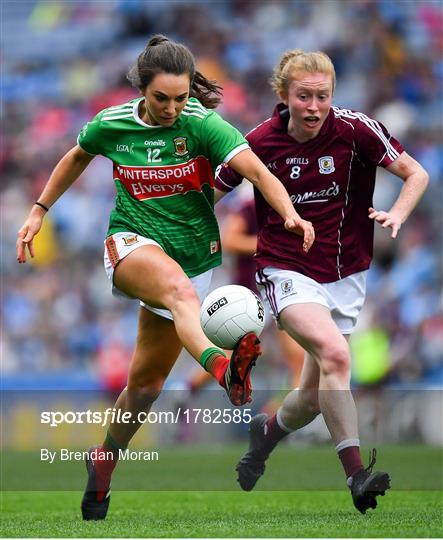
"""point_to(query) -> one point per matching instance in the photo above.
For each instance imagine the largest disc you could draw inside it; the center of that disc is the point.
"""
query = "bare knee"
(336, 360)
(181, 291)
(143, 392)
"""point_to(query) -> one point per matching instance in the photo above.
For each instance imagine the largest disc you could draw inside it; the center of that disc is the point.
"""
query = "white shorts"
(121, 244)
(344, 298)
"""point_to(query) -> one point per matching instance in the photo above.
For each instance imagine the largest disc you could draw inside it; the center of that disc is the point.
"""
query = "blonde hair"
(297, 60)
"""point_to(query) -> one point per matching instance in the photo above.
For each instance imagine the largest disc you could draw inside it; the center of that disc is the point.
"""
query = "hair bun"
(157, 39)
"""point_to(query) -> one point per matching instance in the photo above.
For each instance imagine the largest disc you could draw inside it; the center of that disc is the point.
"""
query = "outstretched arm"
(415, 181)
(248, 164)
(66, 172)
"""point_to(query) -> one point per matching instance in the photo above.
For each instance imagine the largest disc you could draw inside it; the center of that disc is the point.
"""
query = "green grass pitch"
(413, 508)
(223, 515)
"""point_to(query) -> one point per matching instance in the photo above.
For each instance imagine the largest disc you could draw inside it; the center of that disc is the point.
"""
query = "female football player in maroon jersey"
(163, 240)
(326, 157)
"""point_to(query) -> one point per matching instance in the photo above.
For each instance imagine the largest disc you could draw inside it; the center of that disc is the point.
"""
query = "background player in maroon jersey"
(326, 157)
(166, 76)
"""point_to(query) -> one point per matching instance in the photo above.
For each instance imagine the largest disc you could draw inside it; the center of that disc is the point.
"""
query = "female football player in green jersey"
(163, 239)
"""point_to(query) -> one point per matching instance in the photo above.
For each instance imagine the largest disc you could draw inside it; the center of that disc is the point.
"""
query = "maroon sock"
(351, 460)
(273, 433)
(104, 466)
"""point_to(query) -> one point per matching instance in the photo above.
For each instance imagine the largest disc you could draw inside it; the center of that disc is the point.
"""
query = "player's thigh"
(157, 349)
(312, 326)
(292, 354)
(150, 275)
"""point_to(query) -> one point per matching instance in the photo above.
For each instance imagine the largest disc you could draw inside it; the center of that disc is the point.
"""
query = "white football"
(230, 312)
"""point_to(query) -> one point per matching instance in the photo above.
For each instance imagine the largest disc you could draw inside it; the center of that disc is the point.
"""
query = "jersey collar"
(280, 117)
(144, 124)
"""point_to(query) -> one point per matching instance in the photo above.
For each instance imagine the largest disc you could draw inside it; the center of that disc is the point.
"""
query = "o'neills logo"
(150, 182)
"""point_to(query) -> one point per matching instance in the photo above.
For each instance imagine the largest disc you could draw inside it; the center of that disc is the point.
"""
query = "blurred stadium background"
(63, 61)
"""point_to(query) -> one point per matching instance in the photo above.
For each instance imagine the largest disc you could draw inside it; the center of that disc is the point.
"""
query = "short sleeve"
(90, 137)
(374, 143)
(226, 179)
(221, 140)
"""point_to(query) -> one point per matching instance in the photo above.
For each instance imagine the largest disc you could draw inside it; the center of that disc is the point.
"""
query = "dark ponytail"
(208, 92)
(164, 56)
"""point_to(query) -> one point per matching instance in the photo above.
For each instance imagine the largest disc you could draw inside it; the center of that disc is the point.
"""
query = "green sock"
(209, 353)
(112, 445)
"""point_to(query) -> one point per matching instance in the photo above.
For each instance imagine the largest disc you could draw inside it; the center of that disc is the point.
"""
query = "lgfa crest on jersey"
(181, 147)
(326, 165)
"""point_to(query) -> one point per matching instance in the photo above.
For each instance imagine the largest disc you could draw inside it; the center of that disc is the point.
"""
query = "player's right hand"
(26, 234)
(303, 228)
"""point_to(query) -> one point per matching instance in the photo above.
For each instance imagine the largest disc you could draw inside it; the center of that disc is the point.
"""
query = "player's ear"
(283, 97)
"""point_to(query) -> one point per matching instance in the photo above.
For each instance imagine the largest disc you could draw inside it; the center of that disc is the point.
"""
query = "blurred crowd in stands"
(64, 61)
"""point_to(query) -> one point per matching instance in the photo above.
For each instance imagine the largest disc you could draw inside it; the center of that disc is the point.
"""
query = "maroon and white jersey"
(330, 180)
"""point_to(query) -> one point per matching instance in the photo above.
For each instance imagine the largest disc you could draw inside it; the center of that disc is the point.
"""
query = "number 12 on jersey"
(153, 155)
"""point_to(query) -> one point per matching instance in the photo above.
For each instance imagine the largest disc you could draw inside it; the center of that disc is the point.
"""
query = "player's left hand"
(386, 219)
(303, 228)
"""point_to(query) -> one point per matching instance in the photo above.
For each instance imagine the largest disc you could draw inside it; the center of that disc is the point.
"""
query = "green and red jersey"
(165, 177)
